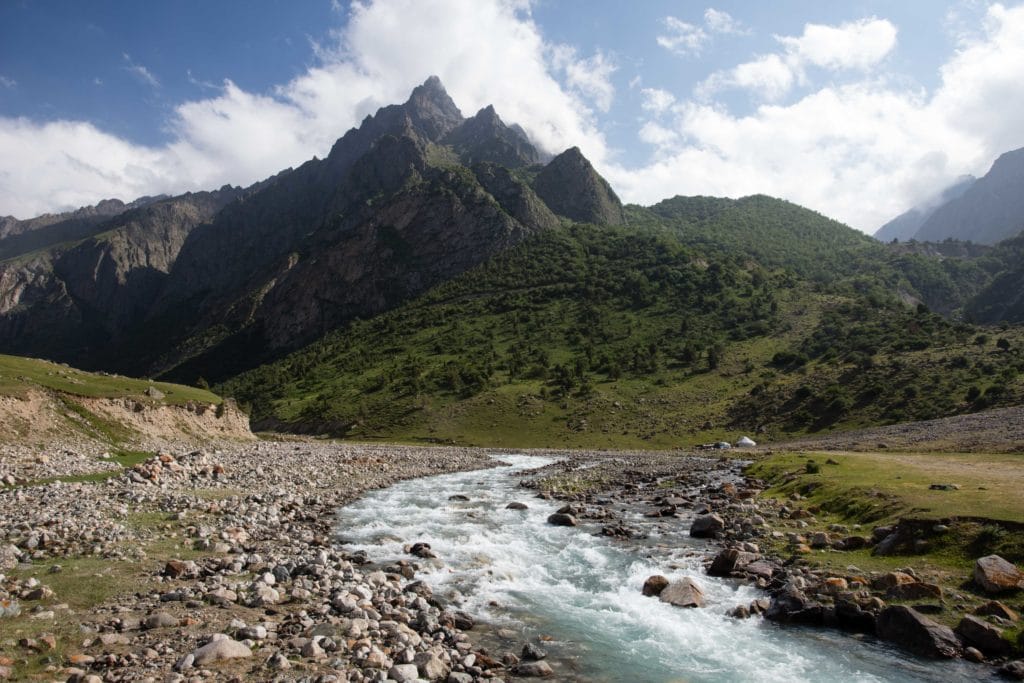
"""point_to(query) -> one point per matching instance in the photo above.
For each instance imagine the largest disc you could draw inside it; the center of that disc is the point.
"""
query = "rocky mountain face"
(20, 237)
(213, 283)
(572, 188)
(905, 226)
(72, 299)
(985, 211)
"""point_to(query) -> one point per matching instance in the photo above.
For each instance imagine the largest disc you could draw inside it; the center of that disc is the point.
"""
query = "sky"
(858, 109)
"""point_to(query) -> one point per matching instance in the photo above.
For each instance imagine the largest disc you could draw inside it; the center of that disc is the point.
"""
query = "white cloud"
(852, 45)
(719, 21)
(681, 37)
(140, 72)
(861, 151)
(590, 78)
(484, 52)
(657, 100)
(858, 45)
(6, 82)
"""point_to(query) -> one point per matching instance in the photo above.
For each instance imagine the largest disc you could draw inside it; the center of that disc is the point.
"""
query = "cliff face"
(213, 283)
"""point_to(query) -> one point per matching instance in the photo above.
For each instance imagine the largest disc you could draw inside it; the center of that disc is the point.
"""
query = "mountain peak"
(572, 188)
(432, 110)
(484, 137)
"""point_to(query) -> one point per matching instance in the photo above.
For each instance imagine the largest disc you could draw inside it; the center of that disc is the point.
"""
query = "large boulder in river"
(654, 585)
(792, 606)
(683, 593)
(730, 560)
(562, 519)
(915, 632)
(996, 575)
(706, 526)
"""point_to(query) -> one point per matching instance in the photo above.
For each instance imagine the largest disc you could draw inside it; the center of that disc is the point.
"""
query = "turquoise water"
(582, 592)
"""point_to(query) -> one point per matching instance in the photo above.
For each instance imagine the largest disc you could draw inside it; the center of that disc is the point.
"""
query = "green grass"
(18, 375)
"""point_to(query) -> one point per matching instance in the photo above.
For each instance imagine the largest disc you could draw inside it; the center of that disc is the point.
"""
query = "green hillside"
(19, 375)
(668, 332)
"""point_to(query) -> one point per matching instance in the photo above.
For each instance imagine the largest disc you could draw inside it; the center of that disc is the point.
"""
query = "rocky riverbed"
(219, 565)
(765, 543)
(223, 564)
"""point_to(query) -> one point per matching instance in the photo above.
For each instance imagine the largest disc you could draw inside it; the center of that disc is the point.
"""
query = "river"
(582, 593)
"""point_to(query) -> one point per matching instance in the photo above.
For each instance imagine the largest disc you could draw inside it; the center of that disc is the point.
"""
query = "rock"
(517, 506)
(852, 617)
(792, 606)
(916, 590)
(917, 633)
(278, 661)
(217, 650)
(533, 670)
(820, 539)
(430, 666)
(996, 575)
(706, 526)
(683, 593)
(997, 609)
(312, 650)
(533, 653)
(404, 673)
(724, 563)
(160, 619)
(562, 519)
(982, 635)
(458, 497)
(654, 585)
(887, 581)
(458, 677)
(1013, 670)
(944, 487)
(422, 550)
(9, 557)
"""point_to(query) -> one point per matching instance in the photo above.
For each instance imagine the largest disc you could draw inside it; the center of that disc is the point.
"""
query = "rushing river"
(582, 592)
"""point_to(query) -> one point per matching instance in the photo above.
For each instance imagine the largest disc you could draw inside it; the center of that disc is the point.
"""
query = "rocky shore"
(765, 542)
(220, 565)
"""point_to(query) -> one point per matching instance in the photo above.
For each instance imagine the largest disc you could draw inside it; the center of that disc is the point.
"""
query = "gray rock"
(404, 673)
(430, 666)
(706, 526)
(562, 519)
(160, 619)
(917, 633)
(982, 635)
(517, 506)
(654, 585)
(458, 677)
(538, 669)
(683, 593)
(533, 653)
(217, 650)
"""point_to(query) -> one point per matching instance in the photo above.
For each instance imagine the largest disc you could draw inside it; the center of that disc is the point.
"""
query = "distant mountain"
(905, 226)
(22, 236)
(990, 210)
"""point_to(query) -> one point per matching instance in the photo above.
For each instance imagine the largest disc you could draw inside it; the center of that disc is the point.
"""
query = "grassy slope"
(592, 336)
(19, 375)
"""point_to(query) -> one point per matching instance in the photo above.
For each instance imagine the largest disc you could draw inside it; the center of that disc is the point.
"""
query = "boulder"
(706, 526)
(916, 590)
(852, 617)
(887, 581)
(654, 585)
(792, 606)
(403, 673)
(997, 609)
(515, 505)
(533, 653)
(917, 633)
(562, 519)
(430, 666)
(1013, 670)
(683, 593)
(160, 620)
(982, 635)
(539, 669)
(220, 649)
(996, 575)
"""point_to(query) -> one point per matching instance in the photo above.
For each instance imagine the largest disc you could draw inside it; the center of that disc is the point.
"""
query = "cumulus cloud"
(861, 151)
(484, 52)
(657, 100)
(858, 45)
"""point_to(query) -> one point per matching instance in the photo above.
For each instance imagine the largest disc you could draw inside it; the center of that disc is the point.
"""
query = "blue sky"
(856, 109)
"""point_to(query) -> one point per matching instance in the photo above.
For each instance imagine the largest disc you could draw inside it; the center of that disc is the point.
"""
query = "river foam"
(582, 592)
